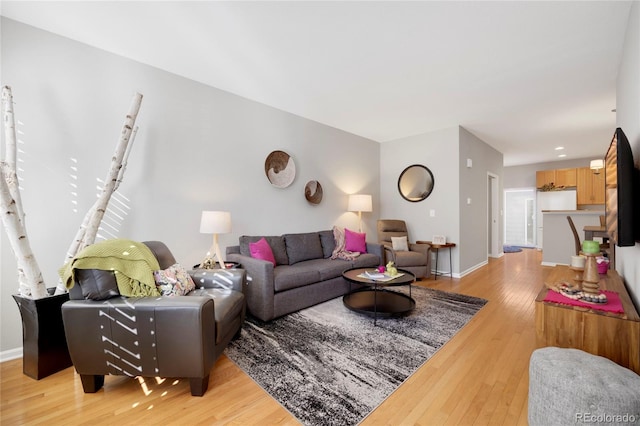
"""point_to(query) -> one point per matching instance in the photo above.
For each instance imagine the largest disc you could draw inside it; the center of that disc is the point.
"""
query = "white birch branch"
(30, 282)
(30, 279)
(11, 150)
(125, 160)
(86, 235)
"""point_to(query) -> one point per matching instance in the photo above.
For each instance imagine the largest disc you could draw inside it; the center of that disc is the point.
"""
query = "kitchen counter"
(575, 212)
(558, 242)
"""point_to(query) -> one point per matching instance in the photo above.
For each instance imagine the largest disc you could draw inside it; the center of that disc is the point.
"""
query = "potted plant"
(44, 344)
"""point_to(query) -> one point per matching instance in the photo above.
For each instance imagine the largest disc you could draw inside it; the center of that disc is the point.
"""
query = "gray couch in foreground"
(304, 274)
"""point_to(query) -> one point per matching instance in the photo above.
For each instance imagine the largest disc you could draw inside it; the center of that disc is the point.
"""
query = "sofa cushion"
(97, 284)
(286, 277)
(355, 241)
(261, 250)
(329, 268)
(302, 247)
(173, 281)
(366, 260)
(328, 243)
(275, 242)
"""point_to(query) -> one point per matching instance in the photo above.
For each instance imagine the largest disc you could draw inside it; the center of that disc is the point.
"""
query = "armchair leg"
(91, 383)
(199, 385)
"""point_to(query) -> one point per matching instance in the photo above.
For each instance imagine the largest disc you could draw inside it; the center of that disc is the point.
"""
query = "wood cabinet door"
(583, 185)
(597, 187)
(566, 177)
(544, 177)
(590, 186)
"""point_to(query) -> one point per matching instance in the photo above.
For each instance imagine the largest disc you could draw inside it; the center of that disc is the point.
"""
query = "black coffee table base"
(379, 303)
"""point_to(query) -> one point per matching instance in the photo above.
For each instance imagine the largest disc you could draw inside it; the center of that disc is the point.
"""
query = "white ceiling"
(524, 77)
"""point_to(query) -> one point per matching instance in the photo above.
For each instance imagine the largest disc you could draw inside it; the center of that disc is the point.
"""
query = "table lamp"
(214, 222)
(360, 203)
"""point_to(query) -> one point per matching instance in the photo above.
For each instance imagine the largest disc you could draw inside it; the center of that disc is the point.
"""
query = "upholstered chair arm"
(422, 248)
(234, 279)
(389, 254)
(260, 287)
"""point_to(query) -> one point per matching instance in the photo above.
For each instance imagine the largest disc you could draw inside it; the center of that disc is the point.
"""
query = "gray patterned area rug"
(329, 365)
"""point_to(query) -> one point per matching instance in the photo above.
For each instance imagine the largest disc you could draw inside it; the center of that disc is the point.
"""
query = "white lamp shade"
(215, 222)
(597, 164)
(360, 203)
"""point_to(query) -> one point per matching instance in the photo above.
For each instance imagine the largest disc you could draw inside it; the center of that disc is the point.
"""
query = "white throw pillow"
(399, 243)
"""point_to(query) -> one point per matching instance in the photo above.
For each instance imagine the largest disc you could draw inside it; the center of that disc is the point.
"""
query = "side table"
(437, 248)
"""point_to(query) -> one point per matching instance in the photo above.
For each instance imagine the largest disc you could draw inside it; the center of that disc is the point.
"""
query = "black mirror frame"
(430, 190)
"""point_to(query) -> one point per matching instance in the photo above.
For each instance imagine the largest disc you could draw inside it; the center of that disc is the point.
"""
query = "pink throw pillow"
(262, 250)
(355, 241)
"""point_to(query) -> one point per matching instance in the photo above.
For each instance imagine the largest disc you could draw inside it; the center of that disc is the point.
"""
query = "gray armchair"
(179, 336)
(417, 259)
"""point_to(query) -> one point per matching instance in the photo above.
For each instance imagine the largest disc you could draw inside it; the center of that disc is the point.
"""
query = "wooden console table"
(437, 248)
(613, 336)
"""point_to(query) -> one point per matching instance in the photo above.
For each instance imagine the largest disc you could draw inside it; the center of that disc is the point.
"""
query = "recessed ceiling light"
(559, 148)
(562, 155)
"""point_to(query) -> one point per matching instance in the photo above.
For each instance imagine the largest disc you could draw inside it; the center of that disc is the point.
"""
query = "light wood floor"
(479, 377)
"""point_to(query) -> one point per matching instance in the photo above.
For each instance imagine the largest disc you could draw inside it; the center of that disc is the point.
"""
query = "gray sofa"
(304, 274)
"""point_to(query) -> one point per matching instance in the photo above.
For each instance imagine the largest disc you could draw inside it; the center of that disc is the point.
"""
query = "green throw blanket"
(132, 262)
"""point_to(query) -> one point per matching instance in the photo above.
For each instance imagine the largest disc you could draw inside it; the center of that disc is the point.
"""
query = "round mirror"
(415, 183)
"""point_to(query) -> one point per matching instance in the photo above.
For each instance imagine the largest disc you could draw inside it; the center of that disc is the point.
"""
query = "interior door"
(493, 212)
(520, 217)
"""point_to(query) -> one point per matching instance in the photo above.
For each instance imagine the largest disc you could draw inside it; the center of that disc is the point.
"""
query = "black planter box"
(44, 343)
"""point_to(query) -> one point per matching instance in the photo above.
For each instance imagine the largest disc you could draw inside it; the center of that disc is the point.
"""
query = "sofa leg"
(91, 383)
(199, 385)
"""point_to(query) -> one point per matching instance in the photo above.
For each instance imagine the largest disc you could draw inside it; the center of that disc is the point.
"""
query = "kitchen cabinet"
(590, 186)
(559, 177)
(566, 177)
(545, 177)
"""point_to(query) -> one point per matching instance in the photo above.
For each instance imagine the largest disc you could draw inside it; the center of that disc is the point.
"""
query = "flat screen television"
(621, 184)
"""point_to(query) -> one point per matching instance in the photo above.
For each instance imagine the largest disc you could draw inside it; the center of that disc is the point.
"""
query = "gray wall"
(198, 148)
(474, 217)
(439, 151)
(444, 152)
(628, 119)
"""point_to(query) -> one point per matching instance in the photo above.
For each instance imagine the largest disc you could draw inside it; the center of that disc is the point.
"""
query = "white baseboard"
(11, 354)
(473, 268)
(548, 263)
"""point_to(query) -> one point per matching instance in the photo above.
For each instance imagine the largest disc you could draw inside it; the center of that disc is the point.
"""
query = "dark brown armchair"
(179, 336)
(417, 259)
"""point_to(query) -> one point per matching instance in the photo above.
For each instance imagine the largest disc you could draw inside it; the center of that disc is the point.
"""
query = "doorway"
(520, 216)
(493, 214)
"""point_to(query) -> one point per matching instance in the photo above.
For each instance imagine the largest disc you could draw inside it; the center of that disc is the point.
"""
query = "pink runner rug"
(613, 305)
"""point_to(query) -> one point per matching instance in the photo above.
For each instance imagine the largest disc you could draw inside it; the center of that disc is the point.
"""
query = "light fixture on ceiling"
(562, 155)
(596, 165)
(559, 148)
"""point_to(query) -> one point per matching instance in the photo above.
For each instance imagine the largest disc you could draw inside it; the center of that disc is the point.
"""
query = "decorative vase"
(591, 278)
(44, 344)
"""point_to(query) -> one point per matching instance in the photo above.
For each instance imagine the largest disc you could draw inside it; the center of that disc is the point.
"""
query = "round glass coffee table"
(375, 299)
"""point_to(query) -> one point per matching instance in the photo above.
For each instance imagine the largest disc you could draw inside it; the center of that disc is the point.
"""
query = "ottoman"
(569, 386)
